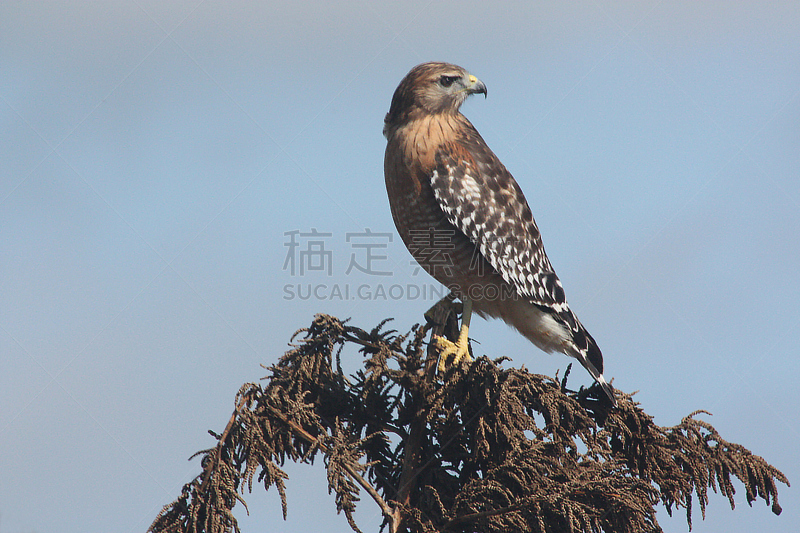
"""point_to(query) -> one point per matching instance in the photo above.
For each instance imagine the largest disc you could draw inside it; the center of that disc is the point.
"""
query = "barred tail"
(591, 358)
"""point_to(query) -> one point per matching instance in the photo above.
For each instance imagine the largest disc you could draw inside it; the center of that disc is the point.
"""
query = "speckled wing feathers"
(480, 197)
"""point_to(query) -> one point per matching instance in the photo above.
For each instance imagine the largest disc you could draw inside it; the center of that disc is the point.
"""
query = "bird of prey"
(465, 220)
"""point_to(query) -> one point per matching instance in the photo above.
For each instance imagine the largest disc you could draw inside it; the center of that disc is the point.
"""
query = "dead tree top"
(481, 448)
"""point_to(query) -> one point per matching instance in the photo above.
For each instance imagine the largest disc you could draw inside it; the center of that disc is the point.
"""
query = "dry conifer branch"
(464, 452)
(387, 511)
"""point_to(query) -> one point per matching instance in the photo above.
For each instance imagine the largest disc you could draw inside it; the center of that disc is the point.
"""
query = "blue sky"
(157, 156)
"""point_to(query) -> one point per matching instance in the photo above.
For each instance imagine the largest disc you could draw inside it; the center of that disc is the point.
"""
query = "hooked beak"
(476, 86)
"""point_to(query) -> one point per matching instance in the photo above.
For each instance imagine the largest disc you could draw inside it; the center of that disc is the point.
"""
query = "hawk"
(465, 220)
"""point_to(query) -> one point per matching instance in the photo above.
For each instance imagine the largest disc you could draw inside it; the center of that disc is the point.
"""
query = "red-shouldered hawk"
(466, 222)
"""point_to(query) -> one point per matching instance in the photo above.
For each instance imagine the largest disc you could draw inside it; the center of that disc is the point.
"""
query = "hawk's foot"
(458, 350)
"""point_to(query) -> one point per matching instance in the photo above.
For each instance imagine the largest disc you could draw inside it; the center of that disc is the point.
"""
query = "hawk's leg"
(445, 303)
(459, 349)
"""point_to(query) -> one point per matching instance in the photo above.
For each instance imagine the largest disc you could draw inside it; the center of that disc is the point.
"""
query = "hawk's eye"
(447, 81)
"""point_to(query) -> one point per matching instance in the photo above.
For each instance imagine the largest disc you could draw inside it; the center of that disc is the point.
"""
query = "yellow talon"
(448, 348)
(459, 349)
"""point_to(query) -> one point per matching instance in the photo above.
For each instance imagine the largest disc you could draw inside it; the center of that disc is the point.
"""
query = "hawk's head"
(432, 88)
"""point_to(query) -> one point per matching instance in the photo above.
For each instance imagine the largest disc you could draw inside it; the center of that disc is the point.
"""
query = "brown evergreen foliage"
(484, 449)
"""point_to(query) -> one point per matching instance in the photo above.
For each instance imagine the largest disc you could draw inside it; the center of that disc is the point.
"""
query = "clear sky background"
(157, 157)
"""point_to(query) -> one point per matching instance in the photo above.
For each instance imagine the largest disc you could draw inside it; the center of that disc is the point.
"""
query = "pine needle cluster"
(480, 448)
